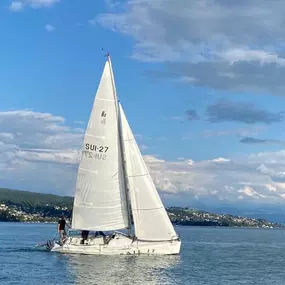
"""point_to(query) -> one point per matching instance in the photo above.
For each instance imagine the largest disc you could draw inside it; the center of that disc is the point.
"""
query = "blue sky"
(202, 90)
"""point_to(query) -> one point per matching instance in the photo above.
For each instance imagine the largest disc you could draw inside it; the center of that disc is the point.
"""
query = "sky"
(201, 82)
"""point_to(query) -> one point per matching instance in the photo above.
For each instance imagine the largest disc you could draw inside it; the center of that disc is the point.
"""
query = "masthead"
(107, 54)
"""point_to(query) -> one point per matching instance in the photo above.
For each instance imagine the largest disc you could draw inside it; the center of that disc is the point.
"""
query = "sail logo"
(103, 115)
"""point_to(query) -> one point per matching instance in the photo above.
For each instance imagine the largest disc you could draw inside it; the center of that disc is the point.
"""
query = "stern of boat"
(52, 245)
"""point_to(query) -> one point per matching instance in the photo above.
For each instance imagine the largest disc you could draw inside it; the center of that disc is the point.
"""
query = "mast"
(126, 183)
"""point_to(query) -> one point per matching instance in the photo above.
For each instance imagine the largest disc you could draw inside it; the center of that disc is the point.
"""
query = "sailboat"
(114, 188)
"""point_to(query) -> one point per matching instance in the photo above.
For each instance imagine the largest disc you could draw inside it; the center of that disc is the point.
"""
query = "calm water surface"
(213, 256)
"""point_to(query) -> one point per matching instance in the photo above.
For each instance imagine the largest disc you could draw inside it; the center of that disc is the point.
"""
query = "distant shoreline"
(30, 207)
(175, 225)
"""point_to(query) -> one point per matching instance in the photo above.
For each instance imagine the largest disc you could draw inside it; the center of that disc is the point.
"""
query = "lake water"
(213, 256)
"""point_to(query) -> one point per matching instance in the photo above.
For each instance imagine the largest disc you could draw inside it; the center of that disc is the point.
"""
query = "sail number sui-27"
(95, 152)
(94, 147)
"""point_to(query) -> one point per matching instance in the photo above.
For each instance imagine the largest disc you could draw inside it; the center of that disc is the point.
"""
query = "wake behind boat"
(113, 185)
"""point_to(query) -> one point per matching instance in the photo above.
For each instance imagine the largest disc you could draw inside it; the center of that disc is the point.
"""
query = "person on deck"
(99, 233)
(84, 236)
(61, 229)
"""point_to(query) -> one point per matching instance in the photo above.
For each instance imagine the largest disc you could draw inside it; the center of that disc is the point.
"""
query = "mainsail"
(150, 218)
(100, 200)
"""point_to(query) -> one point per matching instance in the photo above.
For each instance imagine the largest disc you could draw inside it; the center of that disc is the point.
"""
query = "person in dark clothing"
(61, 230)
(99, 233)
(84, 236)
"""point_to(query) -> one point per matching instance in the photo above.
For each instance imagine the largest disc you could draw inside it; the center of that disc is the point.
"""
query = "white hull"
(119, 245)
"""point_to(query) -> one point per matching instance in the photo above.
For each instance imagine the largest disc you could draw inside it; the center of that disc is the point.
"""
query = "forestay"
(150, 218)
(100, 201)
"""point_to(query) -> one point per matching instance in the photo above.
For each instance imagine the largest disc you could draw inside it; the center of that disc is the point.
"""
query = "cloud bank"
(40, 152)
(214, 43)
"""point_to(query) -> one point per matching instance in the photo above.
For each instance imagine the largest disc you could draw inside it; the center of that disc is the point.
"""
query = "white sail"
(100, 200)
(150, 218)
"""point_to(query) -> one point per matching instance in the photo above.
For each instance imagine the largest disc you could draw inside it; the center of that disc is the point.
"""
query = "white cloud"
(41, 3)
(16, 6)
(6, 136)
(167, 30)
(221, 159)
(240, 40)
(236, 55)
(49, 28)
(40, 152)
(20, 4)
(222, 179)
(248, 191)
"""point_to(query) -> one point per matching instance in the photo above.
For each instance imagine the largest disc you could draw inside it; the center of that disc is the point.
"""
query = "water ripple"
(209, 256)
